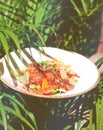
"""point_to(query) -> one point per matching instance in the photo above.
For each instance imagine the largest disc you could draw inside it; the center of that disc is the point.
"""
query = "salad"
(48, 77)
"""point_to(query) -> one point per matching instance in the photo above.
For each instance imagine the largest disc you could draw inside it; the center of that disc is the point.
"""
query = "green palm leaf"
(3, 115)
(9, 126)
(16, 111)
(10, 110)
(4, 43)
(76, 8)
(84, 5)
(14, 37)
(40, 13)
(33, 27)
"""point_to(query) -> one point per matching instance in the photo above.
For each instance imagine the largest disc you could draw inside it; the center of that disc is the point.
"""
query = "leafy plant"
(27, 22)
(13, 111)
(79, 28)
(94, 115)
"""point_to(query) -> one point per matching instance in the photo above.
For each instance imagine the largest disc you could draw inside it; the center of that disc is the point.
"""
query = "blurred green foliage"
(13, 113)
(79, 26)
(27, 23)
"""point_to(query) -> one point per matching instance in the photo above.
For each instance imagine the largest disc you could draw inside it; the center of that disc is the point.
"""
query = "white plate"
(88, 72)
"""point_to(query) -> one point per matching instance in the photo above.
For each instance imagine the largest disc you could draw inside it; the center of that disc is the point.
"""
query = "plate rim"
(56, 96)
